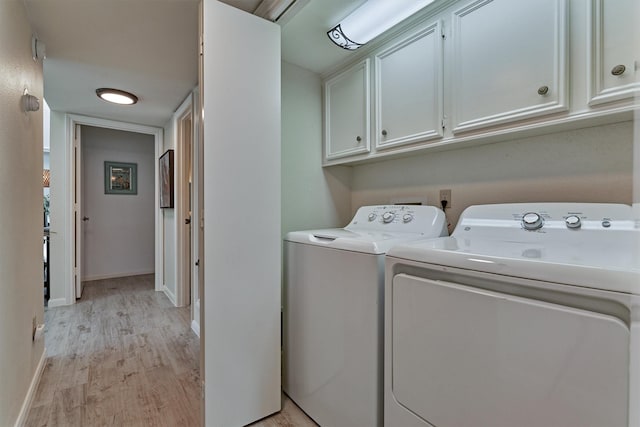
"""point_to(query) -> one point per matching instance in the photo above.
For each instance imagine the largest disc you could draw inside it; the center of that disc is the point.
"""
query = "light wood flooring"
(125, 356)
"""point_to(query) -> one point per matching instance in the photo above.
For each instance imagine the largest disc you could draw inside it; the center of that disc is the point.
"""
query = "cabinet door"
(347, 112)
(508, 62)
(408, 78)
(611, 49)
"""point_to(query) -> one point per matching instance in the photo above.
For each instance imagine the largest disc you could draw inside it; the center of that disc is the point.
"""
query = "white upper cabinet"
(479, 71)
(409, 89)
(347, 112)
(611, 49)
(509, 62)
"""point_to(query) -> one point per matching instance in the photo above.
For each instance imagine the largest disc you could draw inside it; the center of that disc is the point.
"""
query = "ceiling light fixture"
(116, 96)
(371, 19)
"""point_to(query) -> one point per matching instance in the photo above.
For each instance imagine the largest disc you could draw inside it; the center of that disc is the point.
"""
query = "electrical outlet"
(446, 195)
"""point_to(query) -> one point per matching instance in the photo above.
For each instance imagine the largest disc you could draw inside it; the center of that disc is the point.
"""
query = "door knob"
(85, 218)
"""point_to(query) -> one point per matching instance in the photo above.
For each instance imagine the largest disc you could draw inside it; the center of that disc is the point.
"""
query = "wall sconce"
(371, 19)
(29, 102)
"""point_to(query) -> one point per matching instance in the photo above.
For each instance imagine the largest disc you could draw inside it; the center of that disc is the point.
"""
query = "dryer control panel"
(544, 218)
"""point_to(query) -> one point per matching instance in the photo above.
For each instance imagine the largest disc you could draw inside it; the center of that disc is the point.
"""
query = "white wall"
(587, 165)
(46, 126)
(21, 267)
(312, 197)
(118, 239)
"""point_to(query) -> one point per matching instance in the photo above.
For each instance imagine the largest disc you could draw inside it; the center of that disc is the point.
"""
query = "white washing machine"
(333, 311)
(528, 315)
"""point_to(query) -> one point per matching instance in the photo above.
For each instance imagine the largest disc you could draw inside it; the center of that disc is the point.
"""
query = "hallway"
(123, 355)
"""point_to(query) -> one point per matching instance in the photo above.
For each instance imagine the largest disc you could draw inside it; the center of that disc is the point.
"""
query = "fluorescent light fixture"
(116, 96)
(371, 19)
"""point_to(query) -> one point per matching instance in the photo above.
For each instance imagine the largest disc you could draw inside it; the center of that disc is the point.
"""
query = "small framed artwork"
(120, 178)
(166, 179)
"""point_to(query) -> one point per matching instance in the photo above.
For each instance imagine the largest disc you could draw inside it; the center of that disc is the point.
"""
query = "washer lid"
(370, 242)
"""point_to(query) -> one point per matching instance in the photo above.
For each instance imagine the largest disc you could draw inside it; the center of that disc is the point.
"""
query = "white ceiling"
(149, 47)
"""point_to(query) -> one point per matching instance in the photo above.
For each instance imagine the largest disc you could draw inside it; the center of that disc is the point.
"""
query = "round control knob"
(531, 221)
(573, 221)
(407, 218)
(372, 216)
(387, 217)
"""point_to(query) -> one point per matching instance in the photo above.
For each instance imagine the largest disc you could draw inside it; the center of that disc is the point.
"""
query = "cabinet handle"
(543, 90)
(384, 132)
(358, 139)
(618, 70)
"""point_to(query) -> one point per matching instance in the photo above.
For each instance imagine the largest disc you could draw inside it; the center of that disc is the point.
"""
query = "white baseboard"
(116, 275)
(33, 387)
(195, 327)
(57, 302)
(170, 295)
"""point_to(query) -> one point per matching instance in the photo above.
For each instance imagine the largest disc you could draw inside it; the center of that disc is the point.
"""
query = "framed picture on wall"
(120, 178)
(166, 179)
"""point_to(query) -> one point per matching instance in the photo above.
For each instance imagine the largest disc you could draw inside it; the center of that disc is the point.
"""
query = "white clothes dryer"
(528, 315)
(333, 311)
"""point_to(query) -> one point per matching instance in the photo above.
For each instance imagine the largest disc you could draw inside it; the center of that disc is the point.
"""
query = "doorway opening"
(188, 211)
(117, 170)
(70, 188)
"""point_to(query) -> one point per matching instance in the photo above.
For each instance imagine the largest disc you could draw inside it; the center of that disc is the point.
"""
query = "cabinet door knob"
(358, 139)
(85, 218)
(543, 90)
(384, 132)
(618, 70)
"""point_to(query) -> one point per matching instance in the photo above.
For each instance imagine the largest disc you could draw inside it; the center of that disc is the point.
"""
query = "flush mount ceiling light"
(116, 96)
(371, 19)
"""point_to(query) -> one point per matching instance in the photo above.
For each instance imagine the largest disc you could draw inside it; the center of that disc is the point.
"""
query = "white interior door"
(241, 95)
(184, 202)
(197, 221)
(78, 219)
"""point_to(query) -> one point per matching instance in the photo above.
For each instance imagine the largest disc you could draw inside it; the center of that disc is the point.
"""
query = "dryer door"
(463, 356)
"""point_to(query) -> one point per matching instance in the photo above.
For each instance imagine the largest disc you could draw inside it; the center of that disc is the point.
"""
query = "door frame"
(184, 269)
(71, 120)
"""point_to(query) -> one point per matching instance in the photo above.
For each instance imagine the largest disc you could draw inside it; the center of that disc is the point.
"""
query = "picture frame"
(166, 180)
(120, 178)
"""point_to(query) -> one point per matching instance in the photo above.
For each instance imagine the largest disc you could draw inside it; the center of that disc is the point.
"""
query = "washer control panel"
(397, 218)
